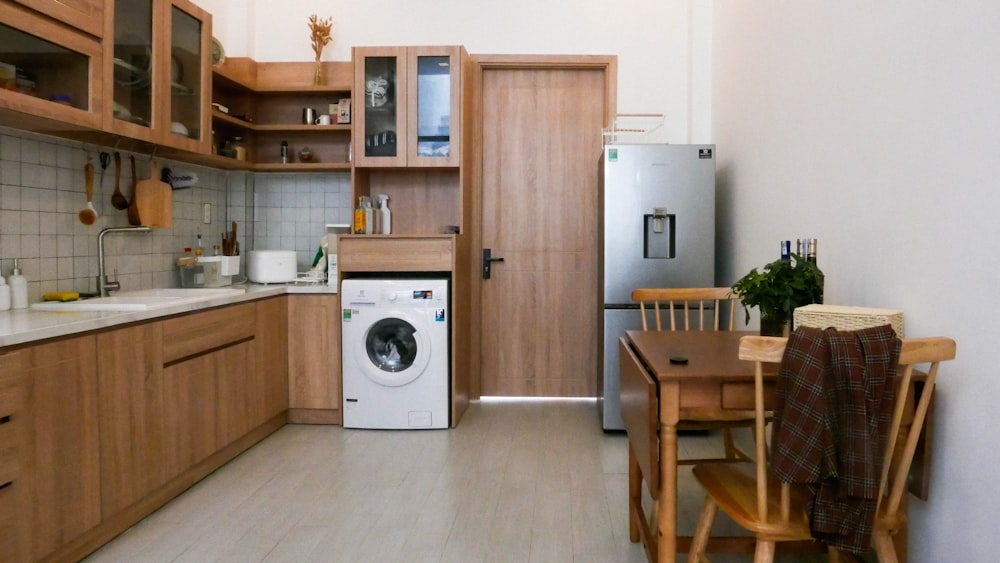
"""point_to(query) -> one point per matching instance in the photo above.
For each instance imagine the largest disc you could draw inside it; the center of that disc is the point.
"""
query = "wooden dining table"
(706, 381)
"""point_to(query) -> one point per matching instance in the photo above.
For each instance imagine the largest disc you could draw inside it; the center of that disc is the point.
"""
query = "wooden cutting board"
(154, 199)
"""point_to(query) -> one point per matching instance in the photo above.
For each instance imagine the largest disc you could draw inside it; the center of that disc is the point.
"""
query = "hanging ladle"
(118, 200)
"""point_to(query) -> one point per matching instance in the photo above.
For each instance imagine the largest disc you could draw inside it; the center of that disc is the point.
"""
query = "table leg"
(667, 513)
(634, 494)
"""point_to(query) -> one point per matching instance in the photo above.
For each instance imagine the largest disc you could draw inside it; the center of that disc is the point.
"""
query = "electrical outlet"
(207, 210)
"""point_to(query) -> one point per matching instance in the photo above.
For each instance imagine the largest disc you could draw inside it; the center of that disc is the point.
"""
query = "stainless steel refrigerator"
(658, 227)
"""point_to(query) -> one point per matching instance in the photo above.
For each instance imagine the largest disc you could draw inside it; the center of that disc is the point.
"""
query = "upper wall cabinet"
(86, 15)
(158, 73)
(410, 114)
(50, 75)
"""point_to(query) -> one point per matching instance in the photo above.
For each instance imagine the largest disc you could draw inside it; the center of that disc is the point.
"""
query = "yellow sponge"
(61, 296)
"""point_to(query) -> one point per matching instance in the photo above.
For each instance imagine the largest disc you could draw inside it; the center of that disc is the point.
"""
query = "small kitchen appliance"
(272, 266)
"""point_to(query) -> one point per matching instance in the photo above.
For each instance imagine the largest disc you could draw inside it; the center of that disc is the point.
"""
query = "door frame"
(472, 209)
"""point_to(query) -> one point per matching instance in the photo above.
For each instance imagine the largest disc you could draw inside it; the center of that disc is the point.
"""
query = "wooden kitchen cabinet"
(51, 76)
(269, 396)
(409, 106)
(408, 134)
(85, 15)
(63, 457)
(264, 103)
(130, 394)
(314, 367)
(15, 506)
(207, 364)
(158, 73)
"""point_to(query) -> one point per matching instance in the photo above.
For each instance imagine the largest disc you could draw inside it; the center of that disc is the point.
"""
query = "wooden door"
(539, 207)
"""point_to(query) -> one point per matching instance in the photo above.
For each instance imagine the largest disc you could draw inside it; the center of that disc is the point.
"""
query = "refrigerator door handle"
(488, 261)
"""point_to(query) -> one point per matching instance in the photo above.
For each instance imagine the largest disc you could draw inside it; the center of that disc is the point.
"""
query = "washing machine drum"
(397, 352)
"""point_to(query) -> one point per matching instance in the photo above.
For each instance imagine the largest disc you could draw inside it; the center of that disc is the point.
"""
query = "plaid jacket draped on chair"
(834, 400)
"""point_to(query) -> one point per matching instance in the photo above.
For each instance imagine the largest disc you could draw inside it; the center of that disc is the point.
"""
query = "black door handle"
(488, 261)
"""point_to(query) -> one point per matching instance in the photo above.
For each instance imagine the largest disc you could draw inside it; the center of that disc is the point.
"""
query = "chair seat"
(733, 487)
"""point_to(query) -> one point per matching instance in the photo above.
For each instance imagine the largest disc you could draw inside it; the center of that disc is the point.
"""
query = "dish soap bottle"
(384, 217)
(359, 217)
(18, 288)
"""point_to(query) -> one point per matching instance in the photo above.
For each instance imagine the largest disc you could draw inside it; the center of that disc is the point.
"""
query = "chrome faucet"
(104, 286)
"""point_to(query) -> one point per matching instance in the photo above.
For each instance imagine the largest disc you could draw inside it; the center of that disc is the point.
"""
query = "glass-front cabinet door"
(159, 74)
(380, 77)
(132, 71)
(189, 88)
(47, 72)
(86, 15)
(434, 117)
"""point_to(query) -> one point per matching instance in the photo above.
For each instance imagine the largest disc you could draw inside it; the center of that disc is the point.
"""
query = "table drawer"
(739, 396)
(194, 334)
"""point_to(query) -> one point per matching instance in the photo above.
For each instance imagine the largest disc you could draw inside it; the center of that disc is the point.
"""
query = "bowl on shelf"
(179, 128)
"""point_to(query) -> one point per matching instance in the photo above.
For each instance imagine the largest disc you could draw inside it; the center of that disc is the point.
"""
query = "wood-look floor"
(515, 481)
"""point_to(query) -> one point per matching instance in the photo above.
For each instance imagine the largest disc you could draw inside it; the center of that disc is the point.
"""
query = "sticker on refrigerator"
(705, 153)
(612, 155)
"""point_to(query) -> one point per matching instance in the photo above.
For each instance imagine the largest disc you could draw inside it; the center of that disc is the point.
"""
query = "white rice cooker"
(271, 266)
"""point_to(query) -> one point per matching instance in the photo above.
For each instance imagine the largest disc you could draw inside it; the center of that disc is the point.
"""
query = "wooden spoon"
(88, 215)
(118, 201)
(133, 209)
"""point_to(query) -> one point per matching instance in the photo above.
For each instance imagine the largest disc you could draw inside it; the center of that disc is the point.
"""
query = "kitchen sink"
(141, 300)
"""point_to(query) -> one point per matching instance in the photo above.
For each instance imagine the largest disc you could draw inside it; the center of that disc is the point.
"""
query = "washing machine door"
(396, 350)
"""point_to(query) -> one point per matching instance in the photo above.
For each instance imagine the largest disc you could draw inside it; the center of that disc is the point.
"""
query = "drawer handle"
(5, 485)
(4, 419)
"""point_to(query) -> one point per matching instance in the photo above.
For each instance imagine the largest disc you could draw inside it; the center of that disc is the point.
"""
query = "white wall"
(874, 127)
(655, 41)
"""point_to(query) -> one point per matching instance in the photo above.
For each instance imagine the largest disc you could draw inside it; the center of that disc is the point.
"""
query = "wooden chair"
(774, 511)
(713, 307)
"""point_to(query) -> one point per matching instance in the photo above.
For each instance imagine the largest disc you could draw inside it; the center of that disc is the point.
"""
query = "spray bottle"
(384, 219)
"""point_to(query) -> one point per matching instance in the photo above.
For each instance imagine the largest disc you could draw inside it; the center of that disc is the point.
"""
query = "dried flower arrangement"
(320, 31)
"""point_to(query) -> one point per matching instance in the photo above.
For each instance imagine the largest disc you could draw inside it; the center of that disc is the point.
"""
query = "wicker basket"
(847, 318)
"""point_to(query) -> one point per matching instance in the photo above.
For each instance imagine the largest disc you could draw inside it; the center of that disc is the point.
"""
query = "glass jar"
(240, 146)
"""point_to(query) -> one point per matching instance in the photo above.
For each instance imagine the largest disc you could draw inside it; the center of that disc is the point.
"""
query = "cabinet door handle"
(5, 485)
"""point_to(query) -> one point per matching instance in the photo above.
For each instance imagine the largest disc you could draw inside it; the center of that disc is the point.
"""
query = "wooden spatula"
(154, 198)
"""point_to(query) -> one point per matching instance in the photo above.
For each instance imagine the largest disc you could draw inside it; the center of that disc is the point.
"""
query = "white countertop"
(25, 325)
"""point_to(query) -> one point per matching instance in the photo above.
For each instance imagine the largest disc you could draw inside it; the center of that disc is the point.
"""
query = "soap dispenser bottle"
(18, 288)
(384, 217)
(4, 295)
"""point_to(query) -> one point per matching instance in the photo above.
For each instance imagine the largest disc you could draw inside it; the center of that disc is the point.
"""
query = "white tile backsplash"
(42, 191)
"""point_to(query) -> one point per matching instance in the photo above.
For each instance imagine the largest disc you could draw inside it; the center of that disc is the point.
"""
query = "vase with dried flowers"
(320, 31)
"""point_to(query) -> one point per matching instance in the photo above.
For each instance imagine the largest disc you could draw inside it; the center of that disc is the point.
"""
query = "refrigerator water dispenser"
(659, 234)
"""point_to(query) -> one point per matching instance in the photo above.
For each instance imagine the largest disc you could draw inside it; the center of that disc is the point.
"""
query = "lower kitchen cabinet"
(130, 390)
(63, 457)
(97, 431)
(15, 505)
(314, 378)
(269, 394)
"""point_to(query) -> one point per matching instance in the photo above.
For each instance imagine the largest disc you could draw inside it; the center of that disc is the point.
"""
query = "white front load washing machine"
(395, 353)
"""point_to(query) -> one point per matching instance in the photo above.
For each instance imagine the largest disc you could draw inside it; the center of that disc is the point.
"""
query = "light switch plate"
(207, 210)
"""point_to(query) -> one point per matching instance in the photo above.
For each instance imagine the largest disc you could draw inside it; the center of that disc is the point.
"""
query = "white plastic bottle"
(384, 218)
(18, 288)
(4, 295)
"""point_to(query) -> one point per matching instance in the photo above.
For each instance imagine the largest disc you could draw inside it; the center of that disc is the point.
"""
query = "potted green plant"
(777, 289)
